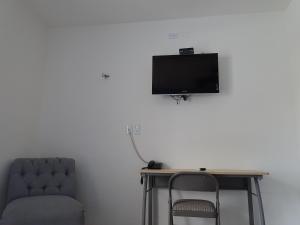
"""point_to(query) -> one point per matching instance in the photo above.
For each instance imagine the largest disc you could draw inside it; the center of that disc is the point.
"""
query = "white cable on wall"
(135, 147)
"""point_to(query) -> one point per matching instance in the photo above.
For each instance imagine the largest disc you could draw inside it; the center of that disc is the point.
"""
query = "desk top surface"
(225, 172)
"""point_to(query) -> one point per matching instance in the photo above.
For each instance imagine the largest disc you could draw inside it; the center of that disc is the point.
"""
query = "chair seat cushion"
(43, 210)
(194, 208)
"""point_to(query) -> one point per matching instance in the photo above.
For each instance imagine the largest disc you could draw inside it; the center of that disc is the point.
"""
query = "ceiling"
(58, 13)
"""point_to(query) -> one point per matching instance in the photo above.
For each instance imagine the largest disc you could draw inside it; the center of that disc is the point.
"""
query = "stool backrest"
(196, 181)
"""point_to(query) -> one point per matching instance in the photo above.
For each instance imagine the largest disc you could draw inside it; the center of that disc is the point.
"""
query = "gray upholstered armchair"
(42, 192)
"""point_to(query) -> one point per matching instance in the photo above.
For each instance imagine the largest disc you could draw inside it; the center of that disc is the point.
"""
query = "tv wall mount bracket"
(180, 98)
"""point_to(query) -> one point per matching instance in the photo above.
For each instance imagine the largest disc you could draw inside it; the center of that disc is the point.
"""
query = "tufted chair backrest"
(46, 176)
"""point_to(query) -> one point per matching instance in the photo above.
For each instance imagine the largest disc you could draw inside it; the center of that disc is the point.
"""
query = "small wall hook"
(105, 76)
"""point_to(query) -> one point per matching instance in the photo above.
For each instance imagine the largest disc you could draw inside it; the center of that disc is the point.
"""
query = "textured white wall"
(251, 124)
(22, 62)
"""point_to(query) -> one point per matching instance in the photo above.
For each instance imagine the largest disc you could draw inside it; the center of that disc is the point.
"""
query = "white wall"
(293, 29)
(22, 61)
(251, 124)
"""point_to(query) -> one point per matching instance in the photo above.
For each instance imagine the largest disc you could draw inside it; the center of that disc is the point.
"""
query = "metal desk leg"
(260, 203)
(250, 202)
(150, 199)
(145, 179)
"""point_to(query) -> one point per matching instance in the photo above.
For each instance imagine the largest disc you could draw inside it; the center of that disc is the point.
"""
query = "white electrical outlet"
(128, 129)
(134, 129)
(137, 129)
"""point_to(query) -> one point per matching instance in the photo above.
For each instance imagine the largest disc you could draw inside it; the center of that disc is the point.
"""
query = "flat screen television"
(185, 74)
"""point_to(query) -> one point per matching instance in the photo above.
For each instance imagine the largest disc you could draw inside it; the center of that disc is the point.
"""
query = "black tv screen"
(185, 74)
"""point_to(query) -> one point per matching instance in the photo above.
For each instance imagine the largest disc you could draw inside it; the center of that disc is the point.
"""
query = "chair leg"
(218, 219)
(170, 218)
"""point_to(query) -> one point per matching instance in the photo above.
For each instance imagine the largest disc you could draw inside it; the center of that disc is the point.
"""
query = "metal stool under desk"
(187, 181)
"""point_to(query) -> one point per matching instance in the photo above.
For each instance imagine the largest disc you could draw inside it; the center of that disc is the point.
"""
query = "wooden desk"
(228, 180)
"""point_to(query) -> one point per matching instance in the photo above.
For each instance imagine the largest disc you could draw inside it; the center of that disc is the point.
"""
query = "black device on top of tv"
(185, 74)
